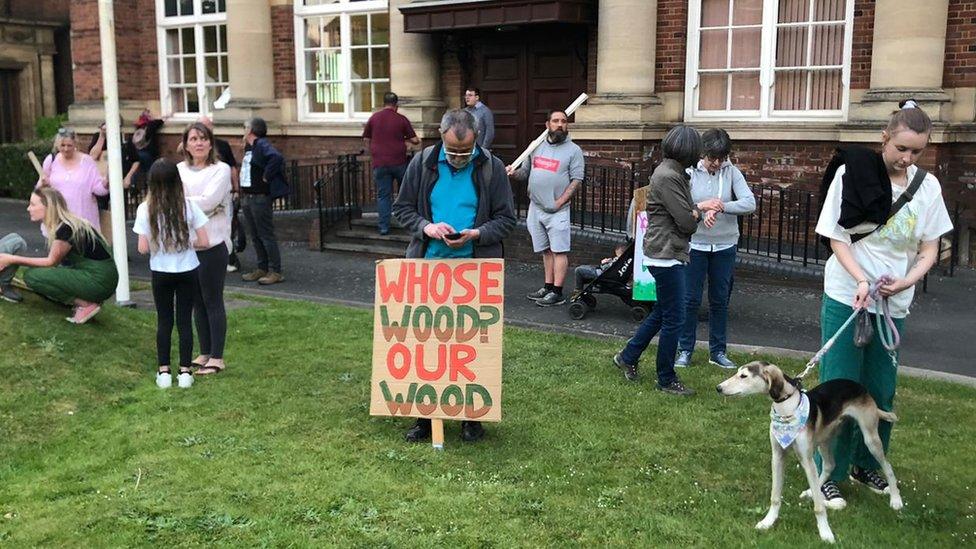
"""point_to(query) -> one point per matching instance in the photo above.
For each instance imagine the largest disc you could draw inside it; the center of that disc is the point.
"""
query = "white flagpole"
(110, 85)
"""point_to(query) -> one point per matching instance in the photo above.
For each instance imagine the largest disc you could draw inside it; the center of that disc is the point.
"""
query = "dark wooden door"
(9, 106)
(524, 74)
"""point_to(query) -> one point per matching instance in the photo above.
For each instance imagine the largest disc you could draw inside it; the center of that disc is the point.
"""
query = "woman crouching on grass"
(166, 224)
(90, 276)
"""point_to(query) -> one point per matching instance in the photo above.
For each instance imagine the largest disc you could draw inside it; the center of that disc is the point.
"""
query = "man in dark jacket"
(455, 189)
(262, 181)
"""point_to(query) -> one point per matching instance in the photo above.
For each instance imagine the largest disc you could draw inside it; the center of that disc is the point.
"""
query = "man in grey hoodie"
(555, 171)
(713, 245)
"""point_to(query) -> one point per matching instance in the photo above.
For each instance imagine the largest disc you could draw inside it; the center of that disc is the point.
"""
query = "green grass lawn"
(280, 450)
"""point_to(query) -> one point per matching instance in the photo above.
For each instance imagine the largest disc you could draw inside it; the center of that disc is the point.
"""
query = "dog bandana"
(786, 428)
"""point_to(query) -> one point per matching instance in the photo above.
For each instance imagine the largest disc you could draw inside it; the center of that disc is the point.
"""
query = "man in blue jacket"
(455, 189)
(262, 181)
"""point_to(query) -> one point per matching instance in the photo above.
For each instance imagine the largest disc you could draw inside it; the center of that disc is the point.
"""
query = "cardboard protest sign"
(645, 288)
(437, 339)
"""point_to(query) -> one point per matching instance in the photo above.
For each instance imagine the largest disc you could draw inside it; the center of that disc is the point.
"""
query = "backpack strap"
(905, 198)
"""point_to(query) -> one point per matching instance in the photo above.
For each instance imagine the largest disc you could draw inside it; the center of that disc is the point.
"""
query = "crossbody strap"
(905, 198)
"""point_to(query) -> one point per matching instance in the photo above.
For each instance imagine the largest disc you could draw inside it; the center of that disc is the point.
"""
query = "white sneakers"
(164, 380)
(184, 380)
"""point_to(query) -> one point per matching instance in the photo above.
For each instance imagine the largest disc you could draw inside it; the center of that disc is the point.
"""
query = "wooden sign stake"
(437, 433)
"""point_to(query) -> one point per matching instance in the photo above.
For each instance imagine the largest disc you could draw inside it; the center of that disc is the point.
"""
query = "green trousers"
(85, 279)
(870, 366)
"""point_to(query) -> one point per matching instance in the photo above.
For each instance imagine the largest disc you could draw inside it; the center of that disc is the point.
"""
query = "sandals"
(209, 369)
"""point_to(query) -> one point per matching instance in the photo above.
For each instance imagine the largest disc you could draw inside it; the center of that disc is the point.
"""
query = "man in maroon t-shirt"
(386, 135)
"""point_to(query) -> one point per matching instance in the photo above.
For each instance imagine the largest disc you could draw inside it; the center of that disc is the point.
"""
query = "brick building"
(789, 79)
(35, 64)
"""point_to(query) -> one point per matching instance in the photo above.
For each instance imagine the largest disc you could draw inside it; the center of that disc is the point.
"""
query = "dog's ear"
(774, 380)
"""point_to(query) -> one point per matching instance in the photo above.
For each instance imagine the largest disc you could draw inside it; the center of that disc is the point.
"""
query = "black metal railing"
(341, 190)
(783, 226)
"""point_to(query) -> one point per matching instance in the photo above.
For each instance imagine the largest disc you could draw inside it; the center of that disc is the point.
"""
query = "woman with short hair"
(672, 218)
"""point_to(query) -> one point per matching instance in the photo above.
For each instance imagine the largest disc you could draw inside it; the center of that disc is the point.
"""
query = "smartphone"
(453, 236)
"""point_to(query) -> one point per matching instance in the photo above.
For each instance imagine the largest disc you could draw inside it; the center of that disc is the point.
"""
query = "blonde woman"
(75, 175)
(91, 277)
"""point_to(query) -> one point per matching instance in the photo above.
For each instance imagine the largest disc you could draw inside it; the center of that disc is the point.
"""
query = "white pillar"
(415, 72)
(250, 62)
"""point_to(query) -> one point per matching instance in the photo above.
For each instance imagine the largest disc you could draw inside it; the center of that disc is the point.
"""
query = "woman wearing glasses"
(75, 175)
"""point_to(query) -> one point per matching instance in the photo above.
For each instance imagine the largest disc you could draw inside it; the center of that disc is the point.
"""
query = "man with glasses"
(456, 202)
(555, 171)
(484, 116)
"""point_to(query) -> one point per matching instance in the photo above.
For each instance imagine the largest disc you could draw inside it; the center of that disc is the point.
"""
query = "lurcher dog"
(826, 407)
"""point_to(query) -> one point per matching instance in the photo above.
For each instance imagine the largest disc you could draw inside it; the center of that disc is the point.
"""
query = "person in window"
(78, 270)
(903, 245)
(75, 175)
(713, 245)
(672, 218)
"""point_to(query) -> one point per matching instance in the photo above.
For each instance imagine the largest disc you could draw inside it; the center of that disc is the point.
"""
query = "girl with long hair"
(88, 278)
(207, 183)
(167, 223)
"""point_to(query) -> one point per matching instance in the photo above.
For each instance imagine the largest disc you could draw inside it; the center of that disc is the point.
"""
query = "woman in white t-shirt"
(206, 182)
(169, 228)
(904, 247)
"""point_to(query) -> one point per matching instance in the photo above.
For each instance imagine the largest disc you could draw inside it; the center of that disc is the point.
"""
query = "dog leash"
(887, 333)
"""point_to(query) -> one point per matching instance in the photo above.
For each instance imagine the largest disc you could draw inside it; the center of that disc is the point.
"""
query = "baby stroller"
(615, 280)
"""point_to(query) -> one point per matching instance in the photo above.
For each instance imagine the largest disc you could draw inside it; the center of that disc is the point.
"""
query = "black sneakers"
(551, 299)
(832, 496)
(675, 388)
(472, 431)
(875, 482)
(538, 294)
(419, 432)
(629, 370)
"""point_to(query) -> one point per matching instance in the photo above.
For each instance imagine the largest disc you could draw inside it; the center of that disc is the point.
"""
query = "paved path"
(765, 311)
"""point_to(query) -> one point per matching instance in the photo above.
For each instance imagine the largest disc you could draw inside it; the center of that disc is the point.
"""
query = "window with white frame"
(192, 41)
(768, 59)
(342, 57)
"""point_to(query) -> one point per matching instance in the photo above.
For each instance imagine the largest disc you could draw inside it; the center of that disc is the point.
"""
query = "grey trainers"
(629, 370)
(8, 293)
(551, 298)
(683, 360)
(538, 294)
(675, 388)
(722, 361)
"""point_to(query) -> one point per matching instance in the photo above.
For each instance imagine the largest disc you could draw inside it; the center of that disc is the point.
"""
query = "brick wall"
(960, 52)
(283, 50)
(861, 44)
(135, 34)
(42, 10)
(672, 28)
(452, 80)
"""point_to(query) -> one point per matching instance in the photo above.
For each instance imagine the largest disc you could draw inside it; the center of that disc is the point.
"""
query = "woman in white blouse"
(206, 182)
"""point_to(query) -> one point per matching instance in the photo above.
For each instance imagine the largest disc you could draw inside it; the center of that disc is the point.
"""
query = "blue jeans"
(718, 266)
(384, 177)
(667, 317)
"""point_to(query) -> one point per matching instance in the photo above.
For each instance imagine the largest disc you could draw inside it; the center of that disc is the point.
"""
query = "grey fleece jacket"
(495, 218)
(721, 185)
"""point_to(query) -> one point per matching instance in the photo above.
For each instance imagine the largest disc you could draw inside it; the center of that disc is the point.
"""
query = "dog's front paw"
(827, 536)
(896, 503)
(805, 494)
(765, 524)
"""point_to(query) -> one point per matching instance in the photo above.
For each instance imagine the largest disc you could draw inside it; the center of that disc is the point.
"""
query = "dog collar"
(785, 428)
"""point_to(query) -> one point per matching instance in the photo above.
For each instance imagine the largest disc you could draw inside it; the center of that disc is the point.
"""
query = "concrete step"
(372, 221)
(364, 248)
(365, 234)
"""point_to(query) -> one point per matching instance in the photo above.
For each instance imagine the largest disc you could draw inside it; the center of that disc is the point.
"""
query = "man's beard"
(557, 136)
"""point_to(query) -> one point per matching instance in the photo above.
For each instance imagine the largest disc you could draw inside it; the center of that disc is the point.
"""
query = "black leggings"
(208, 305)
(165, 286)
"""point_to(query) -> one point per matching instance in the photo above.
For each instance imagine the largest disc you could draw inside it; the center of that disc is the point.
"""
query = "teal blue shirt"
(454, 201)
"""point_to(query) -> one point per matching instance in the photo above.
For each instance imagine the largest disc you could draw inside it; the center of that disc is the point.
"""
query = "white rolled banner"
(538, 140)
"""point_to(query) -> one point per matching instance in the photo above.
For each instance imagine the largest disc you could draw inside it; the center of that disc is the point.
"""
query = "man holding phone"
(456, 202)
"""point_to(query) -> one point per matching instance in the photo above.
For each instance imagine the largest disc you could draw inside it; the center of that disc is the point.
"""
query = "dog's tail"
(890, 417)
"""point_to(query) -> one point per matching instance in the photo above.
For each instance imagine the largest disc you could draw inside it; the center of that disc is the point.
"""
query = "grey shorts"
(549, 231)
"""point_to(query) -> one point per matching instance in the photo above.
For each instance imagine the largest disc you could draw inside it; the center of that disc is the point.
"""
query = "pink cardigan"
(79, 186)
